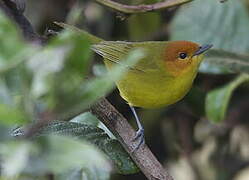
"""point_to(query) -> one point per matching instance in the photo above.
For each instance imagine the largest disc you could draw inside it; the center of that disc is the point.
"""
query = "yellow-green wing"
(115, 52)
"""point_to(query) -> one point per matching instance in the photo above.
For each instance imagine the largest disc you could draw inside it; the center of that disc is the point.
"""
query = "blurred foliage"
(93, 134)
(203, 137)
(40, 83)
(55, 154)
(219, 99)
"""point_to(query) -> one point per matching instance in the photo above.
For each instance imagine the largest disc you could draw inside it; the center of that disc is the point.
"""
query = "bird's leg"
(140, 132)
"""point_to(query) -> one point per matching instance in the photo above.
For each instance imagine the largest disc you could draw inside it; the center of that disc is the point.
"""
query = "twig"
(134, 9)
(119, 126)
(15, 12)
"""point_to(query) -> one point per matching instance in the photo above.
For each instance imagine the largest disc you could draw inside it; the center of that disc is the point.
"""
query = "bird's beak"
(202, 49)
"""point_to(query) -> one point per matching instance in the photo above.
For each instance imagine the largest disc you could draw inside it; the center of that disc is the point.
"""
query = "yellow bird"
(162, 77)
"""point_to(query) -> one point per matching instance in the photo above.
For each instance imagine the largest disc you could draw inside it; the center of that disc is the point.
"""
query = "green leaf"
(230, 62)
(86, 118)
(11, 44)
(93, 134)
(11, 110)
(52, 154)
(79, 55)
(74, 174)
(14, 157)
(99, 69)
(5, 133)
(198, 22)
(10, 116)
(44, 64)
(59, 70)
(5, 96)
(217, 100)
(65, 153)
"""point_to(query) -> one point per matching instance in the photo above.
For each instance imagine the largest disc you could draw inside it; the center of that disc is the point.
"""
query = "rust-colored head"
(180, 56)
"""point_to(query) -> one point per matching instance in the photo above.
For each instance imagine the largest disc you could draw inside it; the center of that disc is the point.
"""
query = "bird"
(163, 77)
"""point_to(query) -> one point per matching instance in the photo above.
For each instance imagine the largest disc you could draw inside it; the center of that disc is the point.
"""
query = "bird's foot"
(140, 138)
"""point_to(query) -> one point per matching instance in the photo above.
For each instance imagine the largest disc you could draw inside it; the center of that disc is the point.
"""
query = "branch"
(119, 126)
(134, 9)
(14, 9)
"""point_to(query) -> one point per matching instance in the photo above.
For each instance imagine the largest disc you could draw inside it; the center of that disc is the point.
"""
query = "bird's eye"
(183, 55)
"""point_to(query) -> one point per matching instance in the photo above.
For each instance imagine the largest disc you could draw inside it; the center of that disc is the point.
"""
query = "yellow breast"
(154, 89)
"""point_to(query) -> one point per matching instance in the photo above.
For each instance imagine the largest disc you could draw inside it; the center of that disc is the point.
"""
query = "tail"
(93, 39)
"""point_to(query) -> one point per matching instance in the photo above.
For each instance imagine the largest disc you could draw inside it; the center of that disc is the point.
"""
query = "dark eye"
(183, 55)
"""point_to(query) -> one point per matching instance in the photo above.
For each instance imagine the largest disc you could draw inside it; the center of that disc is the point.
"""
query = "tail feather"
(93, 39)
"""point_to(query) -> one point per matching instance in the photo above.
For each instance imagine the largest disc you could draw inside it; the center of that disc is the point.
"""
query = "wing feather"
(114, 51)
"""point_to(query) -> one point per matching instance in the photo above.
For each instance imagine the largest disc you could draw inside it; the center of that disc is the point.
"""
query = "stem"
(134, 9)
(120, 127)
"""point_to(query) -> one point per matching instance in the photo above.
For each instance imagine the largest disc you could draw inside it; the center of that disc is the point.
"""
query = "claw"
(140, 138)
(139, 133)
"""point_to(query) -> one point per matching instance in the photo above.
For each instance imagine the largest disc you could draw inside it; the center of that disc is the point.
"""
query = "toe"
(139, 134)
(140, 138)
(141, 141)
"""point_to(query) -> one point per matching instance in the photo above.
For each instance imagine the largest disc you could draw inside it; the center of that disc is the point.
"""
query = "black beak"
(202, 49)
